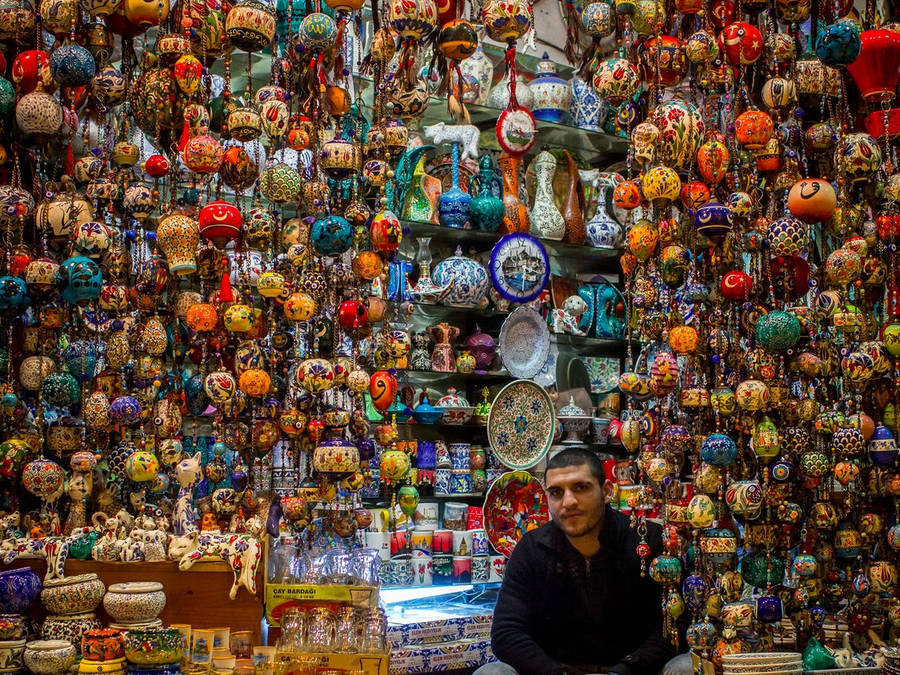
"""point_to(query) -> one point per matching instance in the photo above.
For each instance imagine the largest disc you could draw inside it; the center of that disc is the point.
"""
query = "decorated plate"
(519, 267)
(515, 504)
(524, 343)
(516, 131)
(521, 424)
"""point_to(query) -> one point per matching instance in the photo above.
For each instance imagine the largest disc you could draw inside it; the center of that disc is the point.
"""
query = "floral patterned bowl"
(12, 626)
(73, 595)
(456, 416)
(134, 601)
(19, 588)
(69, 627)
(49, 657)
(154, 646)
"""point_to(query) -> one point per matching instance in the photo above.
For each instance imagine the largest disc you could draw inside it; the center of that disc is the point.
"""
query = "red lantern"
(665, 55)
(386, 232)
(352, 314)
(315, 429)
(712, 160)
(753, 129)
(741, 43)
(875, 124)
(812, 200)
(694, 194)
(156, 166)
(382, 389)
(220, 222)
(25, 71)
(627, 195)
(736, 285)
(877, 68)
(888, 225)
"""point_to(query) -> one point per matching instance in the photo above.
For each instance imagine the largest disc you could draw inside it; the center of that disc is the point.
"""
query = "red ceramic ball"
(736, 285)
(220, 222)
(352, 314)
(741, 43)
(156, 166)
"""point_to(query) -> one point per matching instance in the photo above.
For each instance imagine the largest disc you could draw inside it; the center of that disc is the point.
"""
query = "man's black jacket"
(555, 608)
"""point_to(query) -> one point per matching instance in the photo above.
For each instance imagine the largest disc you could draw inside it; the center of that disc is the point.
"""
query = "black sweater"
(554, 608)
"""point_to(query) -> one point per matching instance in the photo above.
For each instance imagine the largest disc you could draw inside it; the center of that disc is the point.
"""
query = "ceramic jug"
(423, 197)
(573, 205)
(442, 359)
(516, 215)
(552, 94)
(454, 204)
(604, 231)
(486, 211)
(546, 220)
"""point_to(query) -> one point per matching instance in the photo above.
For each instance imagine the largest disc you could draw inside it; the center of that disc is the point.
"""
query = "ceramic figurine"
(566, 319)
(603, 230)
(486, 211)
(546, 220)
(188, 473)
(420, 356)
(552, 94)
(242, 552)
(442, 359)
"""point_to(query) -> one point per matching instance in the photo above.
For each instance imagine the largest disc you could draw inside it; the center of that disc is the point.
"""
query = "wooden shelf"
(198, 596)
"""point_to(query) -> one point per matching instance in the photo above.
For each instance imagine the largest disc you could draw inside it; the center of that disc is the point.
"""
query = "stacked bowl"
(763, 663)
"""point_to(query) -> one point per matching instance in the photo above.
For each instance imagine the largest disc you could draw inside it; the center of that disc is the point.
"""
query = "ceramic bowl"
(154, 646)
(135, 625)
(49, 657)
(116, 667)
(456, 416)
(12, 626)
(69, 627)
(11, 652)
(73, 595)
(134, 601)
(748, 669)
(574, 426)
(761, 657)
(19, 588)
(104, 644)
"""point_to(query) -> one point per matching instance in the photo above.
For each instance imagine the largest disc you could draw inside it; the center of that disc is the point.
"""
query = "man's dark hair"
(578, 457)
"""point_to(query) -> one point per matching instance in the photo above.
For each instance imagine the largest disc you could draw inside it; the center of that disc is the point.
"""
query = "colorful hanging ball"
(839, 44)
(718, 450)
(777, 331)
(812, 200)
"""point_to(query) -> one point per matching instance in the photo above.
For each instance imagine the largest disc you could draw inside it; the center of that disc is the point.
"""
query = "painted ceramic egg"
(718, 450)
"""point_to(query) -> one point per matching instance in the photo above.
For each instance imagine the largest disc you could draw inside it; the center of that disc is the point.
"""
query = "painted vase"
(546, 220)
(516, 215)
(587, 109)
(486, 211)
(477, 72)
(442, 359)
(454, 204)
(499, 96)
(603, 230)
(423, 197)
(552, 94)
(178, 236)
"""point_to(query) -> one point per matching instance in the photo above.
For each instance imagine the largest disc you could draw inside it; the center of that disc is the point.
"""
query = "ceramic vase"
(515, 218)
(546, 220)
(552, 94)
(499, 97)
(587, 109)
(423, 196)
(420, 354)
(477, 72)
(442, 359)
(486, 211)
(454, 204)
(573, 205)
(178, 236)
(604, 231)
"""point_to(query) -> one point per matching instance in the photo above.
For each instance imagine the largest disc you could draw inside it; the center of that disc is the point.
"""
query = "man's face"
(576, 499)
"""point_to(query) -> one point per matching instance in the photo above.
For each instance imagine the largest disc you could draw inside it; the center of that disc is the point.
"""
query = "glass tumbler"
(320, 630)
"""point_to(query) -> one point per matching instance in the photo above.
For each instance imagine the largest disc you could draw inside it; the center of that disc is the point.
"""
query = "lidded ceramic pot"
(49, 657)
(552, 94)
(134, 601)
(73, 595)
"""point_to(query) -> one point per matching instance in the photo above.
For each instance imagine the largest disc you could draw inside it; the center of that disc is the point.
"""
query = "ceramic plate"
(515, 504)
(546, 376)
(524, 343)
(521, 424)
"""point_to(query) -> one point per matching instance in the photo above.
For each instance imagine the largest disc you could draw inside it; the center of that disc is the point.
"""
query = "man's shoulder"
(544, 538)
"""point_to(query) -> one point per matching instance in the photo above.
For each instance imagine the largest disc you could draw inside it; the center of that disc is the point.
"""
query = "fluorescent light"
(392, 595)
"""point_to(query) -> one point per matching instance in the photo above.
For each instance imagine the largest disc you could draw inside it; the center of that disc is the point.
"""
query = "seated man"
(573, 599)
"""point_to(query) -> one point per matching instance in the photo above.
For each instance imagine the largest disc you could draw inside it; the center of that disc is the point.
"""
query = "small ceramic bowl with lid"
(154, 646)
(69, 627)
(11, 652)
(49, 657)
(73, 595)
(134, 601)
(136, 625)
(103, 644)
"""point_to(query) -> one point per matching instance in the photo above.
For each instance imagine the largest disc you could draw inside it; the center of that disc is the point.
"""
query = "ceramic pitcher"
(604, 231)
(546, 220)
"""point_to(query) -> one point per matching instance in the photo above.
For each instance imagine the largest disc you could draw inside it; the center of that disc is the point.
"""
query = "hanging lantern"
(812, 200)
(713, 220)
(660, 186)
(753, 129)
(220, 222)
(382, 389)
(877, 68)
(741, 43)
